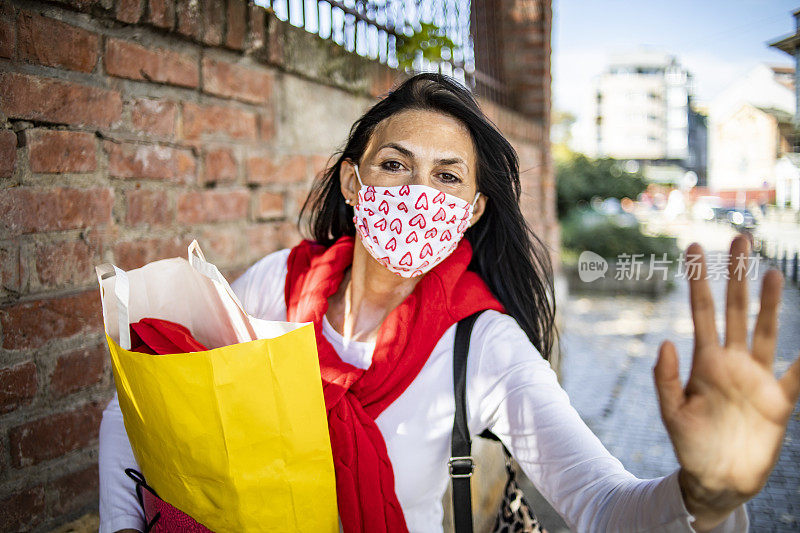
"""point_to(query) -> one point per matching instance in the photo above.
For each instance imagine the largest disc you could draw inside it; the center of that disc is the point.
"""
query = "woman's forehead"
(427, 134)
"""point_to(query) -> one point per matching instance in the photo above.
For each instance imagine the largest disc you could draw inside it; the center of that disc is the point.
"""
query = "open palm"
(727, 423)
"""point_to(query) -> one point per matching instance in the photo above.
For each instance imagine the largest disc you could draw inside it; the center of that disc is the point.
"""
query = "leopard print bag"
(515, 514)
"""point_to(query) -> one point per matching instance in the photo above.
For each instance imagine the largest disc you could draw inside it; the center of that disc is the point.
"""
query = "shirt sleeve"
(119, 506)
(516, 394)
(261, 289)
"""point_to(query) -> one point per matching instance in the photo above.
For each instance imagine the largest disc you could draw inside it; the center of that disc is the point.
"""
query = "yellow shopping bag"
(236, 436)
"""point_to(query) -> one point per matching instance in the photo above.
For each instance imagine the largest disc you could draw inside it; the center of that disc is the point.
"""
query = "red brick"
(188, 18)
(257, 19)
(54, 435)
(61, 151)
(212, 13)
(156, 117)
(75, 491)
(237, 24)
(266, 126)
(212, 206)
(8, 30)
(262, 239)
(269, 205)
(130, 255)
(266, 169)
(129, 11)
(222, 246)
(18, 386)
(130, 60)
(127, 160)
(202, 121)
(8, 153)
(319, 163)
(220, 165)
(10, 267)
(28, 210)
(66, 263)
(161, 13)
(53, 43)
(149, 207)
(299, 197)
(78, 370)
(49, 100)
(23, 509)
(30, 325)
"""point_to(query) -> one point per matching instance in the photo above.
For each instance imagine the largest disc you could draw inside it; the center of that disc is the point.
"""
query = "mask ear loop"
(474, 201)
(358, 175)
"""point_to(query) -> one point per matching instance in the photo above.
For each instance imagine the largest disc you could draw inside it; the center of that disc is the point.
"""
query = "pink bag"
(159, 516)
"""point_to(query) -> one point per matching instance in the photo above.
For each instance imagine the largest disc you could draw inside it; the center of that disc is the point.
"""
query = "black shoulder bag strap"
(461, 464)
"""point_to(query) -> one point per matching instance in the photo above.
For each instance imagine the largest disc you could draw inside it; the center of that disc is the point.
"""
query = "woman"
(386, 277)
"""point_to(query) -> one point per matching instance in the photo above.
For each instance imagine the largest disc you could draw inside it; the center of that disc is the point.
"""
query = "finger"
(705, 329)
(736, 298)
(765, 333)
(668, 381)
(790, 382)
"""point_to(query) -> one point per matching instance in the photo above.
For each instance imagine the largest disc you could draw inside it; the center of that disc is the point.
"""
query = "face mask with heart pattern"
(410, 228)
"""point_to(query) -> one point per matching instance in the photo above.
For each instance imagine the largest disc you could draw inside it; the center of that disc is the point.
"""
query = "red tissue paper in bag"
(162, 337)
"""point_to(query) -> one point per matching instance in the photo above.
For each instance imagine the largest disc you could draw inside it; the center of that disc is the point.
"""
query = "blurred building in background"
(642, 109)
(787, 169)
(750, 131)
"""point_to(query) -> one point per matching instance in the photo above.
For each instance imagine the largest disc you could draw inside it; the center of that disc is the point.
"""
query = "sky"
(718, 41)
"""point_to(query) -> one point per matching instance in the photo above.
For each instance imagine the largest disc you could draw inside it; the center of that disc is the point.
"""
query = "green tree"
(579, 179)
(429, 40)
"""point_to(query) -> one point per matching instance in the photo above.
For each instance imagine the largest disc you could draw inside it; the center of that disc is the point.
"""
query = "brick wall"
(128, 128)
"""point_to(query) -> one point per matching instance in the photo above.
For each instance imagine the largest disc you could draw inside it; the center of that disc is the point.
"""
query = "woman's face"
(418, 147)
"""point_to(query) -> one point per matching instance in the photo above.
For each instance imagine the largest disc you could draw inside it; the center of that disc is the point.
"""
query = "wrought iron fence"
(420, 35)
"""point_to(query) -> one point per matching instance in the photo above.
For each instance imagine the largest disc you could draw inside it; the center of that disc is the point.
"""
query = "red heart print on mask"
(423, 265)
(384, 260)
(402, 207)
(445, 235)
(416, 273)
(422, 201)
(384, 207)
(426, 251)
(375, 238)
(418, 220)
(431, 233)
(370, 194)
(396, 226)
(462, 226)
(391, 245)
(387, 192)
(405, 190)
(411, 237)
(440, 215)
(370, 212)
(439, 198)
(452, 220)
(381, 224)
(365, 227)
(452, 206)
(406, 260)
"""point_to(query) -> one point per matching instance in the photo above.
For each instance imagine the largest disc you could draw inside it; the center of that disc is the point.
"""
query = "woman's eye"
(450, 178)
(392, 165)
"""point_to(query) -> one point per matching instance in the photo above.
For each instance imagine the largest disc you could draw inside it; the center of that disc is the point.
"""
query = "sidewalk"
(610, 345)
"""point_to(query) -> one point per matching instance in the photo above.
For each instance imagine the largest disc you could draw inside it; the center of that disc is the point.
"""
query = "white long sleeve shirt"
(511, 389)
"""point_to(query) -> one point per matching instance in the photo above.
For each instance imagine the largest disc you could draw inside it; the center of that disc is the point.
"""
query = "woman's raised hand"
(727, 424)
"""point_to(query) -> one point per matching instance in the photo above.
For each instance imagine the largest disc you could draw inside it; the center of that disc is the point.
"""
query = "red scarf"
(355, 397)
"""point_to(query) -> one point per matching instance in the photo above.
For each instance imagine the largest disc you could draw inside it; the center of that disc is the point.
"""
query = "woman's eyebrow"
(408, 153)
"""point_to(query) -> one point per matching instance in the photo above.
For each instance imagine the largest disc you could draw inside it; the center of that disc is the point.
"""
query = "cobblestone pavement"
(610, 345)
